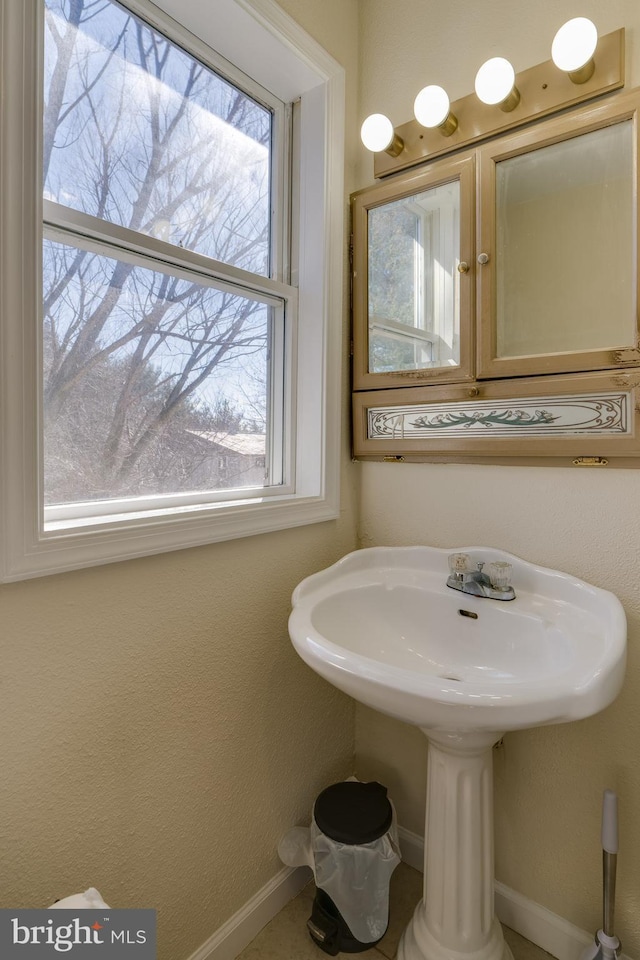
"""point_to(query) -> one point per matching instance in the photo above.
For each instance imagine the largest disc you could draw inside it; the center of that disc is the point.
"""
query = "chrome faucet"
(495, 586)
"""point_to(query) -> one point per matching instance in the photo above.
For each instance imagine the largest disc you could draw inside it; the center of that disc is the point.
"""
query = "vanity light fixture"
(532, 93)
(378, 135)
(431, 108)
(495, 84)
(573, 47)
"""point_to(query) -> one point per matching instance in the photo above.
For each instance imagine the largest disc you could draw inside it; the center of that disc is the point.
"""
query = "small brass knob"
(483, 258)
(463, 267)
(473, 392)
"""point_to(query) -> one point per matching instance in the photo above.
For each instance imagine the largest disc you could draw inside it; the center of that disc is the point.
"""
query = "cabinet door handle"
(463, 267)
(483, 258)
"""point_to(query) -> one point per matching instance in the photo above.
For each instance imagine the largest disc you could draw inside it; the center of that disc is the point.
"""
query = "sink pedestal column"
(455, 920)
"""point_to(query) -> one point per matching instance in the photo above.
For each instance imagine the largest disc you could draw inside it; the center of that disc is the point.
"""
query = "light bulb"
(431, 106)
(574, 45)
(377, 132)
(495, 82)
(432, 109)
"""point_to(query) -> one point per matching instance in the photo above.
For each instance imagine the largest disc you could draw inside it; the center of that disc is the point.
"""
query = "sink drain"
(449, 676)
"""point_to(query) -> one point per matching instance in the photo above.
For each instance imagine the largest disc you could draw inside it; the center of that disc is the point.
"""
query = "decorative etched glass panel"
(566, 246)
(598, 414)
(413, 292)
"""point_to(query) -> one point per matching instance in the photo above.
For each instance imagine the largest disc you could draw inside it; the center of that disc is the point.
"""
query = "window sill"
(65, 546)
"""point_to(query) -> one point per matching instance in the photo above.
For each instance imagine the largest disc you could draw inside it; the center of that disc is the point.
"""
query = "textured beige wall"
(158, 732)
(548, 781)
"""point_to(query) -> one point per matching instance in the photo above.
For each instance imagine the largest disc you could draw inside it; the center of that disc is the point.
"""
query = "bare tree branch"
(133, 357)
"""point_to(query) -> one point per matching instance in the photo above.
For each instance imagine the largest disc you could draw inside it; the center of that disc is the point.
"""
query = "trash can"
(352, 848)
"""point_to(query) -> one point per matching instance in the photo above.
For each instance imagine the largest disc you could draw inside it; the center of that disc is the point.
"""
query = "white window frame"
(268, 45)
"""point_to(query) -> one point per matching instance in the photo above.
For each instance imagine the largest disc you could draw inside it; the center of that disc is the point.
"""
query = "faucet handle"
(500, 574)
(458, 563)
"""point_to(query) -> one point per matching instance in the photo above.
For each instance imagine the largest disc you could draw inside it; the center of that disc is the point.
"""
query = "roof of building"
(246, 444)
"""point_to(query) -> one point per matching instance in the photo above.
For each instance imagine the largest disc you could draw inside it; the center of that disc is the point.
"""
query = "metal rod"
(609, 861)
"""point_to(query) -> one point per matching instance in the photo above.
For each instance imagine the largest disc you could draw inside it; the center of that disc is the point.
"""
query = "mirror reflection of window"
(413, 294)
(566, 246)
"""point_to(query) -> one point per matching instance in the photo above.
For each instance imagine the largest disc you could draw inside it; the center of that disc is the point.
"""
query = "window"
(177, 307)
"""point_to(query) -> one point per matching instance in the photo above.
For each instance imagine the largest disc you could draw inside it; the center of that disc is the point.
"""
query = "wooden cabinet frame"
(511, 396)
(577, 123)
(461, 168)
(583, 417)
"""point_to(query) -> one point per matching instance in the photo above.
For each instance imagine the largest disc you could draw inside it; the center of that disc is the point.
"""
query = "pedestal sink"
(382, 626)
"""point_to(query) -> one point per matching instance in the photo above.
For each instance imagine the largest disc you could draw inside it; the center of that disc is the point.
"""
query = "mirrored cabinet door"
(558, 234)
(412, 277)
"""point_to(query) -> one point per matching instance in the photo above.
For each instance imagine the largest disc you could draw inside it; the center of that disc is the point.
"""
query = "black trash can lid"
(352, 812)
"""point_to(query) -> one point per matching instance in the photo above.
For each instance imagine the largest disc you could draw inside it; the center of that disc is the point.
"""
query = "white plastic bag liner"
(89, 900)
(357, 878)
(294, 848)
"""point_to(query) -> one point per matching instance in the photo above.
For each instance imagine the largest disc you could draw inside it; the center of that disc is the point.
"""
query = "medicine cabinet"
(495, 297)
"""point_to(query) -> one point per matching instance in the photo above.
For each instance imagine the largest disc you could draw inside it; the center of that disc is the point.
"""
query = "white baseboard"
(546, 929)
(411, 848)
(238, 932)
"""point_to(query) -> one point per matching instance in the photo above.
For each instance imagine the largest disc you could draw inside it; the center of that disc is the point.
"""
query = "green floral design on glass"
(509, 418)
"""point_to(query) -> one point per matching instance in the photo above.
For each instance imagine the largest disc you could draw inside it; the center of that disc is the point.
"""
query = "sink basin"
(382, 626)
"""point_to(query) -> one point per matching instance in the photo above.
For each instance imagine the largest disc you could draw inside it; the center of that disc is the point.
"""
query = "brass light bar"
(543, 89)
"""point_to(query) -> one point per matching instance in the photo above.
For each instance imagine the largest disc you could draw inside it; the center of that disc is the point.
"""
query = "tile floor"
(286, 937)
